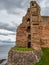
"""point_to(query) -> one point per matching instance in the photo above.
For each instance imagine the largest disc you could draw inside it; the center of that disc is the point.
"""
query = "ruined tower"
(31, 32)
(35, 23)
(28, 30)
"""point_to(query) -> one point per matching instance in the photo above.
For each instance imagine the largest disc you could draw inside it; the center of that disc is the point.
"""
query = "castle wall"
(34, 29)
(45, 33)
(21, 36)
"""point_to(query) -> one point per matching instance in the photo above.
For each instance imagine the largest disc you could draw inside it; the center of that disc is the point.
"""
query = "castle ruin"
(33, 32)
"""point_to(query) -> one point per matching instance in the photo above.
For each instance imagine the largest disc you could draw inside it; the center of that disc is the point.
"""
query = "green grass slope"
(44, 58)
(23, 49)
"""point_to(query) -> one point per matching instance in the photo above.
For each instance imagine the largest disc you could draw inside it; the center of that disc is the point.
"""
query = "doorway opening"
(29, 44)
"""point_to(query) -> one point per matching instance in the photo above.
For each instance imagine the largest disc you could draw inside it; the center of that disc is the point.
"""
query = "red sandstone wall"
(45, 32)
(21, 36)
(42, 30)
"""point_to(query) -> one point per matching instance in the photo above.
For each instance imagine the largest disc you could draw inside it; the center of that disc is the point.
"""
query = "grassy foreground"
(44, 58)
(23, 49)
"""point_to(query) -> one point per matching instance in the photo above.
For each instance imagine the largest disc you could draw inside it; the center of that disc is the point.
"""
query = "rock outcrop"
(16, 57)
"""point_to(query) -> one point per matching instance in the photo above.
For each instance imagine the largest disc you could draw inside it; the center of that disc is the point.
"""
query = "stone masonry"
(16, 57)
(33, 32)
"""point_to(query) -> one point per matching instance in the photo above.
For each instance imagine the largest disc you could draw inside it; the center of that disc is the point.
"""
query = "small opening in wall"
(32, 4)
(28, 29)
(36, 24)
(29, 44)
(29, 37)
(28, 20)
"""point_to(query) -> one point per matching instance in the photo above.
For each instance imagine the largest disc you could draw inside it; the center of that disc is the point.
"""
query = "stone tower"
(28, 31)
(35, 24)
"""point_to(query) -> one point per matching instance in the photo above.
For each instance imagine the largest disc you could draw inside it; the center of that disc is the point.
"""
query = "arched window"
(28, 20)
(32, 4)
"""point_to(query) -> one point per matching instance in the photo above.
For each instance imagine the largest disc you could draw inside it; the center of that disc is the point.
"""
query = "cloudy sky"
(11, 13)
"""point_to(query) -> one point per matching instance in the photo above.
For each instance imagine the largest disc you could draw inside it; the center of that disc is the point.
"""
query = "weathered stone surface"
(28, 31)
(36, 26)
(16, 57)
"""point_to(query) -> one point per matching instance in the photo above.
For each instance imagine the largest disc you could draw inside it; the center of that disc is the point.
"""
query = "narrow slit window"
(28, 29)
(29, 37)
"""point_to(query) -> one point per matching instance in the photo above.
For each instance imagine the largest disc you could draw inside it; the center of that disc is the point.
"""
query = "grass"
(23, 49)
(44, 58)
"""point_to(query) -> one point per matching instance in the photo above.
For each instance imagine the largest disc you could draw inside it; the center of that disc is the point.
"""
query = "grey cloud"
(17, 7)
(39, 1)
(9, 4)
(6, 34)
(45, 11)
(12, 5)
(7, 41)
(8, 27)
(16, 11)
(13, 12)
(47, 1)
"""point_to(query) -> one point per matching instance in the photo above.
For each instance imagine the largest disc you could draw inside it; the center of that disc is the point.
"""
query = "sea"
(4, 49)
